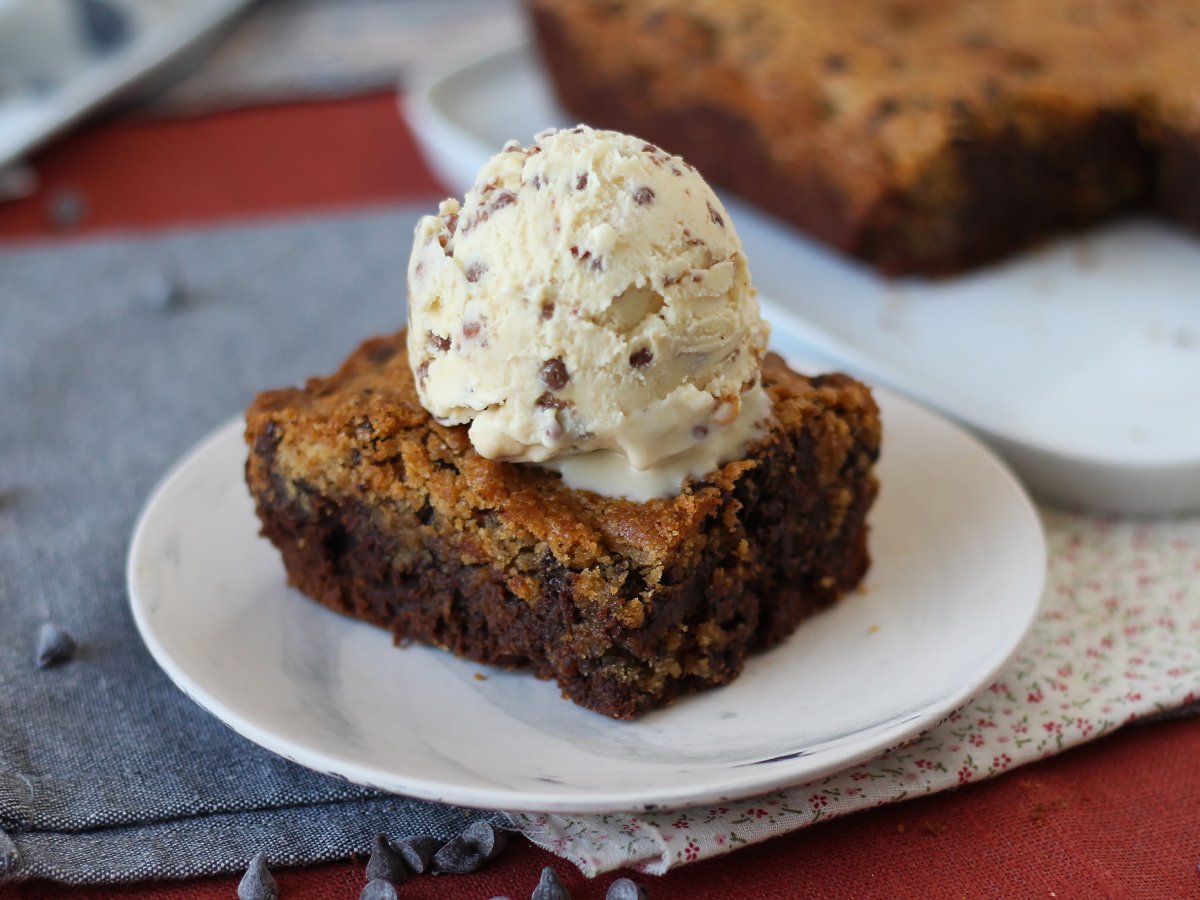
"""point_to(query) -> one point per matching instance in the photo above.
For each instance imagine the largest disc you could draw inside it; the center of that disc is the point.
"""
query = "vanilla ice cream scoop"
(590, 293)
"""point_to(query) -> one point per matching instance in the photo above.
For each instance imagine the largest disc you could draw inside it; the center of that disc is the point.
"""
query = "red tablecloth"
(1118, 818)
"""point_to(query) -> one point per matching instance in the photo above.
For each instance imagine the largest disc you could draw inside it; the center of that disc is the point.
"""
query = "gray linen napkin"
(108, 374)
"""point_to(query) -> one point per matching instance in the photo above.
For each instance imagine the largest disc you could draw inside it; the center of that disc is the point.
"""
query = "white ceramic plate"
(1079, 362)
(958, 572)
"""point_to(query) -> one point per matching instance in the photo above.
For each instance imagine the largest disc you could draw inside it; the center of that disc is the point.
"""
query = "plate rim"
(765, 779)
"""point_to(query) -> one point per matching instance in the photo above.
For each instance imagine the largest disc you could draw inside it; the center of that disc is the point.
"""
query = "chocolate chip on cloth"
(386, 862)
(54, 646)
(478, 844)
(105, 25)
(258, 883)
(624, 889)
(418, 850)
(378, 889)
(161, 291)
(549, 887)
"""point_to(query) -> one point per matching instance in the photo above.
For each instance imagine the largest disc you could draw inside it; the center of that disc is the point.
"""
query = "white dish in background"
(61, 58)
(1079, 362)
(959, 564)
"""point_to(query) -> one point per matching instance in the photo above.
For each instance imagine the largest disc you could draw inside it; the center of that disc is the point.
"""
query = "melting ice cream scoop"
(589, 294)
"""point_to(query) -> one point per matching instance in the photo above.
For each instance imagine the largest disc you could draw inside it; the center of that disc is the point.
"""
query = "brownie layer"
(382, 514)
(914, 162)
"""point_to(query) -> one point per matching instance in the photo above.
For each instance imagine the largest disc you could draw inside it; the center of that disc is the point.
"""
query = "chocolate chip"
(977, 40)
(452, 223)
(639, 359)
(161, 291)
(470, 329)
(67, 209)
(992, 89)
(386, 862)
(1022, 62)
(884, 110)
(581, 182)
(418, 850)
(475, 271)
(715, 216)
(257, 883)
(105, 24)
(267, 440)
(379, 351)
(423, 370)
(554, 374)
(836, 62)
(480, 842)
(549, 887)
(547, 310)
(549, 401)
(437, 342)
(503, 199)
(378, 889)
(54, 646)
(586, 254)
(961, 117)
(537, 182)
(650, 148)
(643, 196)
(625, 889)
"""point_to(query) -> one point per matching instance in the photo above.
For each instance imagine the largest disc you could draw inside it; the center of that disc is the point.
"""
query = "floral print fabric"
(1117, 638)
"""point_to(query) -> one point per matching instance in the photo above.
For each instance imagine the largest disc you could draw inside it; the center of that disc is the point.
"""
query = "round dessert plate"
(959, 564)
(1079, 361)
